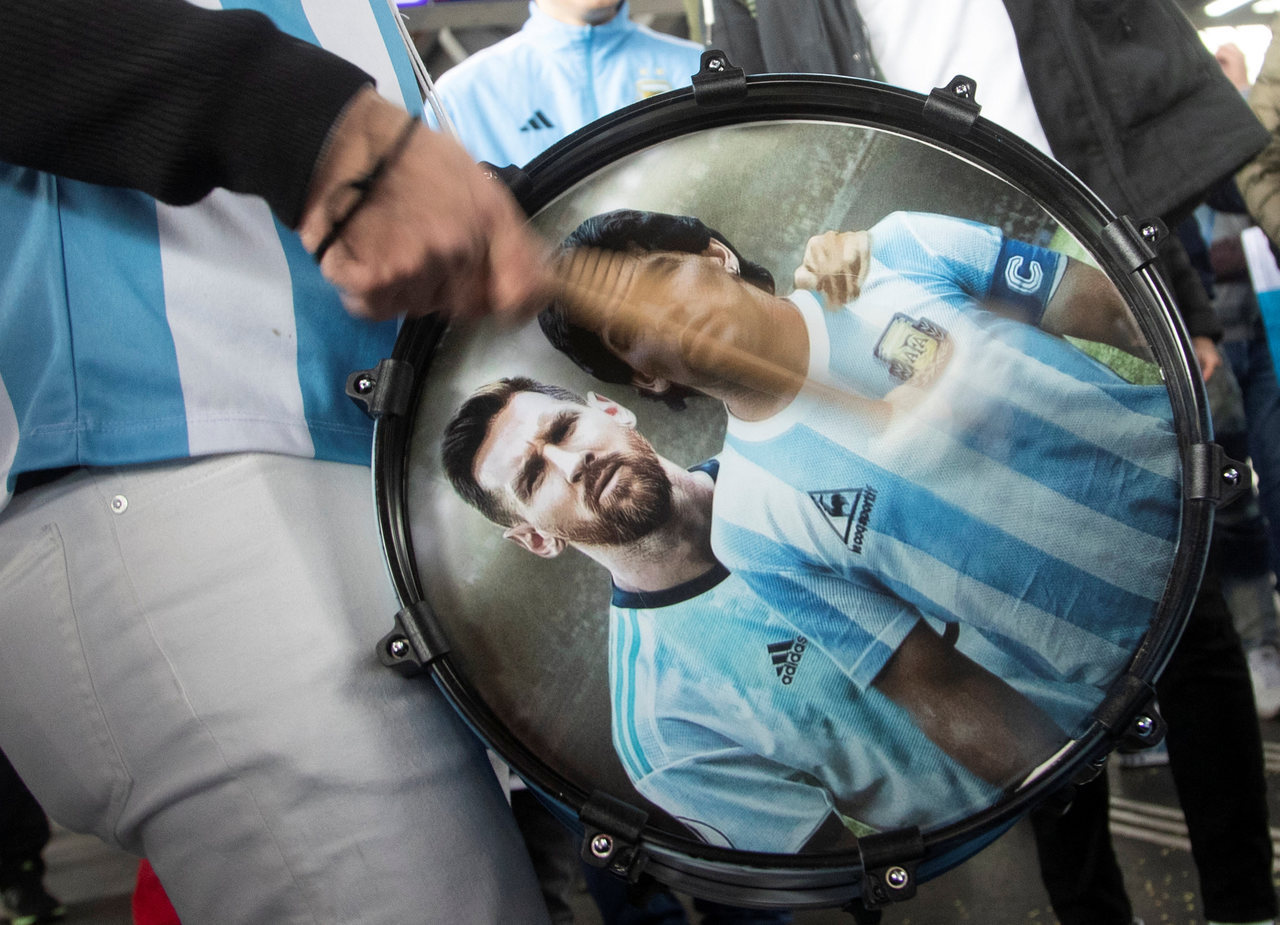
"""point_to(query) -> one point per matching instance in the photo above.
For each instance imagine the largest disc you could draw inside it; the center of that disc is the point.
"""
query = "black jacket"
(1130, 99)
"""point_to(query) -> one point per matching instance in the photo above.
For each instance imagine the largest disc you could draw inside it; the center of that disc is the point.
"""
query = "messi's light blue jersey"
(133, 331)
(517, 97)
(733, 722)
(1031, 493)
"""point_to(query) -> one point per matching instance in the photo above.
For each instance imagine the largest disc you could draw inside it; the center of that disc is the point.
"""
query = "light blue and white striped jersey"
(732, 722)
(1030, 493)
(514, 99)
(133, 331)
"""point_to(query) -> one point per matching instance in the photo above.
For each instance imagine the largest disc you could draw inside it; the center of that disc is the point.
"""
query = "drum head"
(781, 633)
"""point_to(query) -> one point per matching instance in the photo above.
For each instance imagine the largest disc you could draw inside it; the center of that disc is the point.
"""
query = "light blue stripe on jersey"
(32, 355)
(949, 534)
(1131, 422)
(339, 429)
(1058, 460)
(624, 663)
(115, 293)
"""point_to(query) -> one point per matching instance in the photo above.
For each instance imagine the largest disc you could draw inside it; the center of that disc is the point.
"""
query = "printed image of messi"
(723, 714)
(919, 439)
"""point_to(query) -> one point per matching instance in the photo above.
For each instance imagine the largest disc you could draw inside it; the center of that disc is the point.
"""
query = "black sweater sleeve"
(167, 98)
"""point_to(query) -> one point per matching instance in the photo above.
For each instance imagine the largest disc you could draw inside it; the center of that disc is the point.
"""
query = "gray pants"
(187, 671)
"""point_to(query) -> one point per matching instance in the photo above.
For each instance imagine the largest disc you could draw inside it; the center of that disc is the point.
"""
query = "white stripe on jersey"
(195, 250)
(351, 31)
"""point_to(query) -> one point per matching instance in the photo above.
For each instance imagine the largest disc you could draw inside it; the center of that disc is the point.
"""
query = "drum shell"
(404, 476)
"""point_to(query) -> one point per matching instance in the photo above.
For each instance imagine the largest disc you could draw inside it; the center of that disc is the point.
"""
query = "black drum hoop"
(817, 879)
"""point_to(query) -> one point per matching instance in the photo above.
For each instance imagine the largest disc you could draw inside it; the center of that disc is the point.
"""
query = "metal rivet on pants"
(897, 878)
(119, 504)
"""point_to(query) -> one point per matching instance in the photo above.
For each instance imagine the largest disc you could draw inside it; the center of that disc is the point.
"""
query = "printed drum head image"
(830, 495)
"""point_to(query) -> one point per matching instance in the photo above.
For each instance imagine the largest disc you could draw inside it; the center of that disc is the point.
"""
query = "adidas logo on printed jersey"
(786, 657)
(848, 512)
(537, 122)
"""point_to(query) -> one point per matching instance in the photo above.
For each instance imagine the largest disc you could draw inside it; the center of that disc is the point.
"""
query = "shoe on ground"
(1264, 671)
(27, 901)
(1152, 757)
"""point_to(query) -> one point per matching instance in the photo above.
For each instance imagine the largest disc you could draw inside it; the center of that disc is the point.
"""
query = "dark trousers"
(24, 828)
(1215, 755)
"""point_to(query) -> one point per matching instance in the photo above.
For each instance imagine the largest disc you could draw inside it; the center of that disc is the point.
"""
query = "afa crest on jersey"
(915, 349)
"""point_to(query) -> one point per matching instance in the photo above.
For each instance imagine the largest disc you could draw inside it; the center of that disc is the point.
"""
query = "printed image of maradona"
(925, 362)
(723, 714)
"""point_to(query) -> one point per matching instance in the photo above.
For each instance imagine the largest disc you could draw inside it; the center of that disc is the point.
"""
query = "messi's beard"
(638, 502)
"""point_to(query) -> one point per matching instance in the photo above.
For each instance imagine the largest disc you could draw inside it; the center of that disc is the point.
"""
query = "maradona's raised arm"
(1087, 305)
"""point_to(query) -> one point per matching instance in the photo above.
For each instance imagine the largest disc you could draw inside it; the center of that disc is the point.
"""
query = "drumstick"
(604, 291)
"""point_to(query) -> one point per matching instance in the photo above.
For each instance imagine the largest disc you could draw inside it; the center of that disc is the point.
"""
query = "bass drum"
(789, 653)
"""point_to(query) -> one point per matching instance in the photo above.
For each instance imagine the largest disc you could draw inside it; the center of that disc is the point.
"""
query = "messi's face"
(574, 472)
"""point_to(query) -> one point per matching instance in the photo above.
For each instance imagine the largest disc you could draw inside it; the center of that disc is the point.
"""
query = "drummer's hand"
(1206, 352)
(436, 234)
(835, 264)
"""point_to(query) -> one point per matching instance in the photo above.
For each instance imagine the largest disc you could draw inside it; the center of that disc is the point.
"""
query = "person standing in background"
(572, 62)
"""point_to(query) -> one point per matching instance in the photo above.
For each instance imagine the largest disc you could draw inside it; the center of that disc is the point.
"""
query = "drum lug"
(512, 176)
(1129, 714)
(1214, 476)
(1145, 730)
(954, 106)
(1135, 243)
(717, 81)
(415, 642)
(611, 832)
(889, 862)
(384, 391)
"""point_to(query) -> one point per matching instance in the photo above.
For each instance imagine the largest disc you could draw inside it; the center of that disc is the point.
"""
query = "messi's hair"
(633, 230)
(467, 430)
